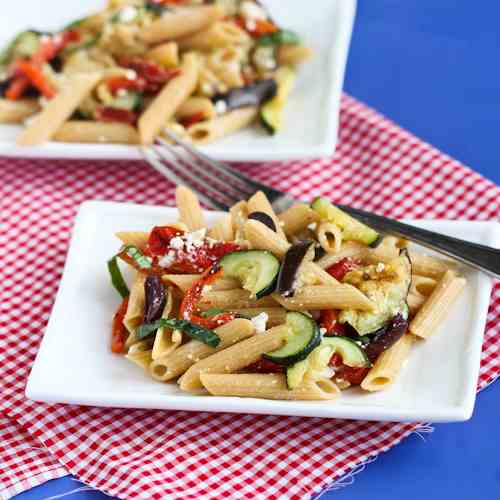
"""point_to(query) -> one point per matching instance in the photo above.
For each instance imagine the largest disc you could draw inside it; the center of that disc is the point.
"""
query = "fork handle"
(482, 257)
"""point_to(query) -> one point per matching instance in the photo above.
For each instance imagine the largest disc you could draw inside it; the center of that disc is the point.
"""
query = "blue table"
(433, 68)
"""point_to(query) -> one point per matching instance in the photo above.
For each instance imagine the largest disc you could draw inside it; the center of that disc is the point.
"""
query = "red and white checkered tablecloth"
(182, 455)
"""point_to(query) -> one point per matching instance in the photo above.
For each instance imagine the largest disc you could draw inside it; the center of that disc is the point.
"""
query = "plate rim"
(453, 413)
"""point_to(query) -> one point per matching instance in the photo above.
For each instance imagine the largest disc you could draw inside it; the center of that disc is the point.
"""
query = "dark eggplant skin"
(264, 218)
(319, 252)
(250, 95)
(156, 298)
(290, 267)
(386, 337)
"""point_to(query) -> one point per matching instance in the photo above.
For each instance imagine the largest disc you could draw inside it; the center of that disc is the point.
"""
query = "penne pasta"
(329, 236)
(229, 299)
(316, 298)
(267, 386)
(221, 126)
(259, 203)
(181, 22)
(312, 274)
(170, 98)
(138, 239)
(239, 215)
(431, 267)
(421, 288)
(178, 361)
(17, 111)
(294, 54)
(297, 218)
(74, 89)
(166, 54)
(260, 236)
(140, 358)
(135, 310)
(220, 34)
(86, 131)
(185, 281)
(388, 365)
(223, 229)
(436, 307)
(234, 358)
(166, 340)
(189, 208)
(196, 105)
(275, 315)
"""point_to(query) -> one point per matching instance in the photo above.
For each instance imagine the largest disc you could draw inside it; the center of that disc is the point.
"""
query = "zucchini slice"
(303, 338)
(257, 270)
(314, 365)
(271, 113)
(352, 229)
(388, 289)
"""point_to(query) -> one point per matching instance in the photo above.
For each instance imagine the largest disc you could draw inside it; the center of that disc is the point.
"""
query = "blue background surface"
(433, 67)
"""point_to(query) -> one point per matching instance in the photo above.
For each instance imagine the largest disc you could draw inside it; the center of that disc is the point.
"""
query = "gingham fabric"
(181, 455)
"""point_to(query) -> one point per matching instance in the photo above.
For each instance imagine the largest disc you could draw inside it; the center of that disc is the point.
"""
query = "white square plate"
(438, 383)
(311, 115)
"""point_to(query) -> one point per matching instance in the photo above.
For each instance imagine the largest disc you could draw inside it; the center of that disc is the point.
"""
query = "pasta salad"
(122, 75)
(293, 306)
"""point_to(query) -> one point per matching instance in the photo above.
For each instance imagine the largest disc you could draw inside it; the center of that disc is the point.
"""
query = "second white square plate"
(438, 384)
(311, 115)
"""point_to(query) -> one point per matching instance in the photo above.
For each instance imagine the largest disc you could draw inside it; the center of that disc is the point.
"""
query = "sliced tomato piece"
(119, 333)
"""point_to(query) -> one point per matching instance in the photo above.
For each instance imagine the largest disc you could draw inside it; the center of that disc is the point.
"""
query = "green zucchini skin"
(305, 337)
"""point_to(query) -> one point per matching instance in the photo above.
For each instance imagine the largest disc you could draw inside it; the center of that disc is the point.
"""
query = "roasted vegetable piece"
(386, 337)
(264, 218)
(156, 298)
(250, 95)
(289, 271)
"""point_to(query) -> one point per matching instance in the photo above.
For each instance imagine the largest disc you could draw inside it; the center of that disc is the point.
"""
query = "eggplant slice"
(264, 219)
(287, 278)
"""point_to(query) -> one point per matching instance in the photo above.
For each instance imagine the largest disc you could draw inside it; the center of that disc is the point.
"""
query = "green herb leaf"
(196, 332)
(140, 259)
(281, 37)
(212, 311)
(117, 278)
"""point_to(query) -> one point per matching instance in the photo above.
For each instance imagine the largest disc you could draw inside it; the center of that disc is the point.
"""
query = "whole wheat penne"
(181, 22)
(259, 203)
(294, 54)
(140, 358)
(234, 358)
(196, 105)
(388, 365)
(437, 306)
(189, 208)
(431, 267)
(228, 299)
(138, 239)
(329, 236)
(420, 289)
(222, 229)
(73, 90)
(185, 281)
(86, 131)
(169, 99)
(17, 111)
(267, 386)
(221, 126)
(165, 54)
(314, 298)
(135, 310)
(297, 218)
(219, 34)
(178, 361)
(166, 340)
(239, 215)
(312, 274)
(264, 238)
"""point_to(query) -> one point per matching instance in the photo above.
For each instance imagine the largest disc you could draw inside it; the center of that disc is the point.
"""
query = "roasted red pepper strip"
(36, 77)
(192, 297)
(159, 239)
(120, 82)
(342, 267)
(353, 375)
(264, 366)
(328, 321)
(17, 88)
(118, 332)
(262, 26)
(109, 114)
(187, 121)
(153, 74)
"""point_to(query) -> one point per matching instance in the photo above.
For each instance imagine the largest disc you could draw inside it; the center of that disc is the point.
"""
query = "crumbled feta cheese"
(207, 88)
(130, 74)
(207, 289)
(168, 259)
(220, 107)
(312, 226)
(322, 331)
(127, 14)
(264, 58)
(251, 25)
(176, 242)
(195, 239)
(259, 322)
(121, 93)
(250, 10)
(380, 267)
(328, 372)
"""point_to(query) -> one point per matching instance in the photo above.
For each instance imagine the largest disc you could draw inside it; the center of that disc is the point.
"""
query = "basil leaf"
(117, 278)
(196, 332)
(281, 37)
(212, 311)
(142, 261)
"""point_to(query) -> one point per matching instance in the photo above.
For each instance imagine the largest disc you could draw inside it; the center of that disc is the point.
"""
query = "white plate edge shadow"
(36, 391)
(323, 146)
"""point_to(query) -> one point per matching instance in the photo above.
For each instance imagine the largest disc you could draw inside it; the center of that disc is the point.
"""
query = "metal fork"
(219, 186)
